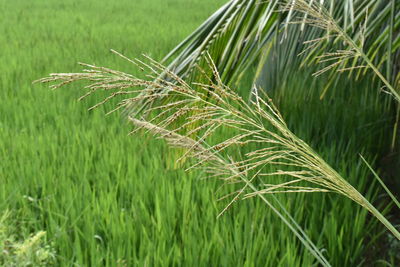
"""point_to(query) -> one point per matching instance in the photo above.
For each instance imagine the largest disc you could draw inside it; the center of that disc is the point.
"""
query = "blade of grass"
(381, 182)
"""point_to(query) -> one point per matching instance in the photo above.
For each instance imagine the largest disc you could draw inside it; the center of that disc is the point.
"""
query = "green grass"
(106, 198)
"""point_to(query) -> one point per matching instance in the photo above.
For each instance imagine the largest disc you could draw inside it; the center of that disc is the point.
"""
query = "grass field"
(108, 199)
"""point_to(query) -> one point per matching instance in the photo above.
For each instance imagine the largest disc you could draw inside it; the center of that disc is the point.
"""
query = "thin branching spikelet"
(352, 57)
(261, 155)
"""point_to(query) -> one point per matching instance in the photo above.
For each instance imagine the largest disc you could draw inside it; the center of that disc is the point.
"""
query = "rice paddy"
(108, 199)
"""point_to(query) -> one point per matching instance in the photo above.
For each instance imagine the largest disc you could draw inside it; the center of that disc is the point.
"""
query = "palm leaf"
(237, 34)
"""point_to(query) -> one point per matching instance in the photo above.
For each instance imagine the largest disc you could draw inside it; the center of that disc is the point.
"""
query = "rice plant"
(188, 115)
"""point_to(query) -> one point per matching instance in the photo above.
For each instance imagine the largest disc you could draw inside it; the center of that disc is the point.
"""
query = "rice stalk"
(316, 15)
(260, 140)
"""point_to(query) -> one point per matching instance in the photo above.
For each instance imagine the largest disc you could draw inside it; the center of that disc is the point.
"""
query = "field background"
(105, 198)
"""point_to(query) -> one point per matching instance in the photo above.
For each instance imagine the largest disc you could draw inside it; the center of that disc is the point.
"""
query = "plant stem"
(378, 73)
(302, 237)
(381, 218)
(367, 60)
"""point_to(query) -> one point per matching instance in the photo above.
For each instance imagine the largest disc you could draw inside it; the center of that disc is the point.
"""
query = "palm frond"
(237, 34)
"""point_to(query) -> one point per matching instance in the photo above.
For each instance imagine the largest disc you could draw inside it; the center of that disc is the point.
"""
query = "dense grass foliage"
(105, 198)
